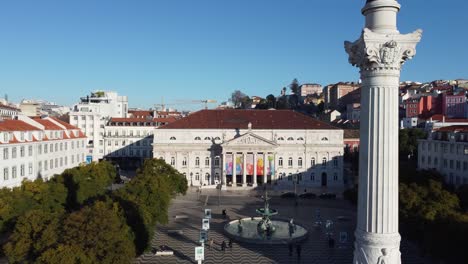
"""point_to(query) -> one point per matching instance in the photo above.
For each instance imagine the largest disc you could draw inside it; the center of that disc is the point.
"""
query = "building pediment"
(249, 139)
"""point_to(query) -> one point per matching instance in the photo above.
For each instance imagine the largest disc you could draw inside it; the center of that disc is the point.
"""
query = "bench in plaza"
(164, 253)
(181, 217)
(175, 232)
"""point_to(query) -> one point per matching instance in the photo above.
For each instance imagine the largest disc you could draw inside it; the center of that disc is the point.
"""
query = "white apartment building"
(251, 147)
(91, 115)
(8, 111)
(39, 147)
(446, 150)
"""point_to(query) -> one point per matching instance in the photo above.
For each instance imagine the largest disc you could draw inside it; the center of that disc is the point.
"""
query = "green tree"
(295, 87)
(237, 98)
(408, 141)
(35, 232)
(65, 254)
(100, 232)
(86, 182)
(271, 101)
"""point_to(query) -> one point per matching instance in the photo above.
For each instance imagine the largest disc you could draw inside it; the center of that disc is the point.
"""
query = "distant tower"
(379, 53)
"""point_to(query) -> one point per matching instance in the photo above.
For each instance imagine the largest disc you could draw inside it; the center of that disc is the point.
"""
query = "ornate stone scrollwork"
(382, 51)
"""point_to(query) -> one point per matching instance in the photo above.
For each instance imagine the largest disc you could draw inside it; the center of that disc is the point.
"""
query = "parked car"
(308, 195)
(288, 195)
(327, 196)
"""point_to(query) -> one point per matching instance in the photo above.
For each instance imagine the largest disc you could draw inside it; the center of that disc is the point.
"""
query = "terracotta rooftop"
(8, 107)
(454, 129)
(48, 125)
(440, 118)
(63, 123)
(16, 125)
(351, 133)
(260, 119)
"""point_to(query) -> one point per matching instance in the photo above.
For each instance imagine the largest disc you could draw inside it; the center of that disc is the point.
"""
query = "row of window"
(282, 176)
(446, 147)
(40, 149)
(131, 153)
(451, 164)
(131, 133)
(46, 165)
(197, 161)
(124, 142)
(279, 139)
(207, 177)
(280, 162)
(312, 162)
(14, 171)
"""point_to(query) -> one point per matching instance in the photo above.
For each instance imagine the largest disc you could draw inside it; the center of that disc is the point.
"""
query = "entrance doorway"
(324, 179)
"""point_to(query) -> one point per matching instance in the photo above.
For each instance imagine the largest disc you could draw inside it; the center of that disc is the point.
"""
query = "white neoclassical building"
(38, 147)
(251, 147)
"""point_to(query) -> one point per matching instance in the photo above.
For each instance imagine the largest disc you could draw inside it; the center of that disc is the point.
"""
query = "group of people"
(223, 244)
(298, 249)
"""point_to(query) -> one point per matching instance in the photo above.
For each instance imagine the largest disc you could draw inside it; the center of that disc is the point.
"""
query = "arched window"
(290, 139)
(197, 176)
(217, 138)
(216, 162)
(172, 138)
(172, 161)
(207, 162)
(280, 162)
(197, 138)
(299, 162)
(324, 162)
(197, 162)
(300, 139)
(280, 139)
(290, 162)
(324, 139)
(335, 162)
(207, 138)
(299, 177)
(312, 162)
(207, 177)
(312, 176)
(290, 177)
(281, 176)
(335, 176)
(184, 162)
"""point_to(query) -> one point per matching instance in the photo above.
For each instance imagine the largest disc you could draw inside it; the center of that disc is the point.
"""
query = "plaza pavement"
(243, 204)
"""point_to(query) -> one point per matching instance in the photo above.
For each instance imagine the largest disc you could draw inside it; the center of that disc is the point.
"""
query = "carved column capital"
(376, 51)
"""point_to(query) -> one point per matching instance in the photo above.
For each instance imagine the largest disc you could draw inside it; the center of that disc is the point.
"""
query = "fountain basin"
(249, 232)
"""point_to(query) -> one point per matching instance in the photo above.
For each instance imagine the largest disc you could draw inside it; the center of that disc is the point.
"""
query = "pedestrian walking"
(230, 244)
(298, 250)
(210, 244)
(331, 242)
(290, 249)
(223, 246)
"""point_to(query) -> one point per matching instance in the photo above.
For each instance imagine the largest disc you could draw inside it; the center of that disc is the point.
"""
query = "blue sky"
(204, 49)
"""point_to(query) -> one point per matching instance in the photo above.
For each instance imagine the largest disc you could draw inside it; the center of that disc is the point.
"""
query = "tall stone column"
(254, 180)
(379, 53)
(234, 172)
(244, 169)
(223, 172)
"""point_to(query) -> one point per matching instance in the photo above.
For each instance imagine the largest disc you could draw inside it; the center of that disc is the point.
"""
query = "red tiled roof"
(454, 129)
(140, 113)
(260, 119)
(16, 125)
(8, 107)
(47, 124)
(439, 118)
(63, 123)
(134, 119)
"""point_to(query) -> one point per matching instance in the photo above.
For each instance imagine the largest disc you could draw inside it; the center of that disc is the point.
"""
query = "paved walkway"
(314, 249)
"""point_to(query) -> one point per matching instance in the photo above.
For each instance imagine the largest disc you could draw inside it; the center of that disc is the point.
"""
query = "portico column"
(379, 53)
(265, 171)
(223, 171)
(234, 173)
(255, 170)
(244, 169)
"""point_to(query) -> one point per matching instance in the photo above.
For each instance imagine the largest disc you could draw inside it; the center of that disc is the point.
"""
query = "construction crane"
(185, 102)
